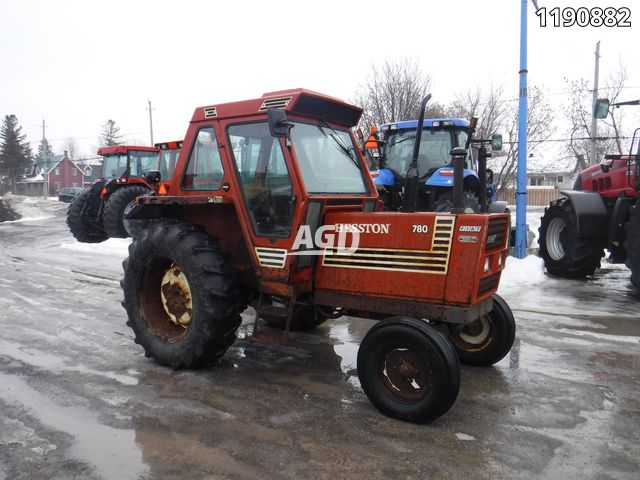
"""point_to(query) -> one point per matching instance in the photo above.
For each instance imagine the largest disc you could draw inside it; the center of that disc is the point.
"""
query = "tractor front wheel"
(486, 340)
(83, 209)
(180, 295)
(632, 244)
(563, 252)
(408, 370)
(114, 222)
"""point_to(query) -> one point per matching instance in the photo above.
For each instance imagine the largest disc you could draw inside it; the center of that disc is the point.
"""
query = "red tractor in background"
(601, 212)
(272, 206)
(127, 172)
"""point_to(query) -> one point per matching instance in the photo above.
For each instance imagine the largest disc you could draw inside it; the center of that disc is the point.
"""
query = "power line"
(570, 139)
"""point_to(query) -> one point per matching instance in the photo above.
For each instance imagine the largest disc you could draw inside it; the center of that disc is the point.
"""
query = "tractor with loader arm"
(272, 206)
(601, 212)
(98, 212)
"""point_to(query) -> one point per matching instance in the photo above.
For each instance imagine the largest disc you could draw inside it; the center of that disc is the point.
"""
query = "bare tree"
(110, 134)
(394, 92)
(539, 128)
(614, 86)
(579, 111)
(488, 106)
(71, 146)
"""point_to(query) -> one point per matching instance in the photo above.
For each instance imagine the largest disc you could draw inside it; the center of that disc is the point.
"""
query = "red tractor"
(601, 212)
(127, 172)
(273, 206)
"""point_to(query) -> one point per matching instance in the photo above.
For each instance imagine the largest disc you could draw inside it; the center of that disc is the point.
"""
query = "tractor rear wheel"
(180, 295)
(565, 254)
(118, 201)
(84, 208)
(632, 244)
(445, 202)
(486, 340)
(408, 370)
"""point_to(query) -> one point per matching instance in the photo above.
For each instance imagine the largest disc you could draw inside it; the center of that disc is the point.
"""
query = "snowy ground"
(78, 399)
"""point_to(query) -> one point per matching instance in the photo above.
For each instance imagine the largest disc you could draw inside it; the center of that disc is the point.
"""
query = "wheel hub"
(556, 238)
(477, 332)
(176, 296)
(404, 373)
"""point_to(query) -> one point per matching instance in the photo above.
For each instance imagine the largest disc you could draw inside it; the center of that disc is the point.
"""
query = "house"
(562, 180)
(542, 187)
(58, 171)
(91, 167)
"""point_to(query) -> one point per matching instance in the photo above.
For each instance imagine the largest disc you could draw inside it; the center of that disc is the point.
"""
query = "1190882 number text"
(585, 17)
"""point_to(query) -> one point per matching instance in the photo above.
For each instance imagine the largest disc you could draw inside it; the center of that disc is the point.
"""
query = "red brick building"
(58, 171)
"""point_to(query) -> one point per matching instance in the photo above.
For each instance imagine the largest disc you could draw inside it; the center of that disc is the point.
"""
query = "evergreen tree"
(41, 149)
(15, 151)
(110, 134)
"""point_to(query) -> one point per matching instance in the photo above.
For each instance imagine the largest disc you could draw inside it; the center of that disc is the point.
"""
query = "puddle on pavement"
(113, 452)
(535, 359)
(56, 364)
(349, 332)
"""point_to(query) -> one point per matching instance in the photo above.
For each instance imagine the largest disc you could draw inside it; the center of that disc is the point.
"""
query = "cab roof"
(124, 149)
(428, 123)
(298, 101)
(175, 145)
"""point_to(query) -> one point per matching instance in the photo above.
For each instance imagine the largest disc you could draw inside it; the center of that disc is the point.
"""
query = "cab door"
(270, 199)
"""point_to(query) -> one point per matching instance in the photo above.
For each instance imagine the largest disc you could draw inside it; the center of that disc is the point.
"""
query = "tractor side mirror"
(601, 108)
(152, 177)
(496, 142)
(278, 125)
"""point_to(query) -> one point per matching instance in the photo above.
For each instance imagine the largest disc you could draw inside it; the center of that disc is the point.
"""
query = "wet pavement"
(78, 399)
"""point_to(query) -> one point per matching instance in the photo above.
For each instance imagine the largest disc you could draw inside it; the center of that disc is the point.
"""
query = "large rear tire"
(488, 339)
(632, 244)
(563, 252)
(114, 222)
(81, 215)
(180, 295)
(408, 370)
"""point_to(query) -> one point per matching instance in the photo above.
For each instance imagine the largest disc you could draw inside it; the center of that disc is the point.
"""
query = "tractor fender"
(619, 217)
(384, 177)
(591, 214)
(443, 177)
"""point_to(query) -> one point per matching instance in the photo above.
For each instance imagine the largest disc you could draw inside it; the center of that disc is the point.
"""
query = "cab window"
(264, 179)
(204, 170)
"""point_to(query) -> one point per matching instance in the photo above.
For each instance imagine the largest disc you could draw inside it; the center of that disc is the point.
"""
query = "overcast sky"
(77, 64)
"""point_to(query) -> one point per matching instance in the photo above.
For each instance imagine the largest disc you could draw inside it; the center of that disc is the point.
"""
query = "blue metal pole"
(521, 191)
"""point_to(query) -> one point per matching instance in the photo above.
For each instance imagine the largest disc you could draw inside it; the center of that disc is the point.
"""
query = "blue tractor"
(435, 168)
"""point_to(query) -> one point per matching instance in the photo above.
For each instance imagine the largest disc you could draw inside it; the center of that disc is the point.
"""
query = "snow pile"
(521, 273)
(34, 208)
(118, 248)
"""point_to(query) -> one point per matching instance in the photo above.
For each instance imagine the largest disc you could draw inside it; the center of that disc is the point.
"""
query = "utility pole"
(150, 122)
(594, 120)
(523, 107)
(45, 175)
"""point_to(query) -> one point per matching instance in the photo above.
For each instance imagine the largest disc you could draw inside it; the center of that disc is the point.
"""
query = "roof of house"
(48, 163)
(52, 162)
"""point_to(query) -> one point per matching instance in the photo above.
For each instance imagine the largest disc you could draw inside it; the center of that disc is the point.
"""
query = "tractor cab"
(439, 137)
(169, 152)
(126, 161)
(435, 167)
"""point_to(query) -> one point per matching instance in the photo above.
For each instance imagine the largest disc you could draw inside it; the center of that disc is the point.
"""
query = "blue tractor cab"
(435, 168)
